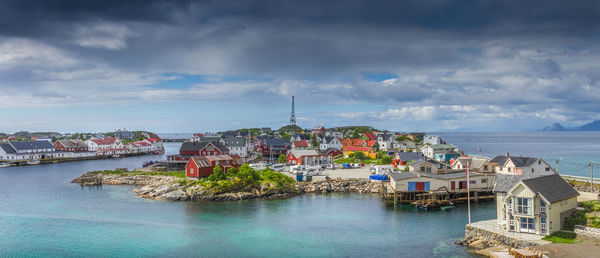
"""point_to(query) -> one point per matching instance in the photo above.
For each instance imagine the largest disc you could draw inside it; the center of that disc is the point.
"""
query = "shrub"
(577, 219)
(561, 237)
(217, 174)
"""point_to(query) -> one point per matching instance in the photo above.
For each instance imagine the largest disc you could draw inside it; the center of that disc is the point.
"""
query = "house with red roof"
(299, 145)
(368, 136)
(368, 147)
(203, 166)
(106, 146)
(308, 157)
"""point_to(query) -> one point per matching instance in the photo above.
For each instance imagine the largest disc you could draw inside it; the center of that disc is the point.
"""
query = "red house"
(71, 145)
(204, 166)
(318, 130)
(202, 149)
(332, 152)
(299, 145)
(307, 157)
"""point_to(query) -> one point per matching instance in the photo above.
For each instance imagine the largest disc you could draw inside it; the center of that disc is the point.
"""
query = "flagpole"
(468, 194)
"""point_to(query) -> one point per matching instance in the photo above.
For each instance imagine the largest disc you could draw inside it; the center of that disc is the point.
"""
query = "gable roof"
(408, 156)
(300, 144)
(370, 136)
(518, 161)
(357, 148)
(7, 148)
(300, 153)
(505, 182)
(201, 162)
(329, 150)
(73, 143)
(234, 141)
(197, 146)
(31, 145)
(105, 141)
(552, 187)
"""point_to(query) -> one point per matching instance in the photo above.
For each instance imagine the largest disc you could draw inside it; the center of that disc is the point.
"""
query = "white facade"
(335, 143)
(432, 139)
(539, 167)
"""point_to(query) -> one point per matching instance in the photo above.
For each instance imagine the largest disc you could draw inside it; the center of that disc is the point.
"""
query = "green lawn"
(564, 237)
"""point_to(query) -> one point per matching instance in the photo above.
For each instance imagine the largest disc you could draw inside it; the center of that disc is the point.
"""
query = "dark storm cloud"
(516, 56)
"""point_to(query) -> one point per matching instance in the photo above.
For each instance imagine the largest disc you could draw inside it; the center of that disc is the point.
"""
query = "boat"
(4, 165)
(116, 156)
(33, 162)
(433, 204)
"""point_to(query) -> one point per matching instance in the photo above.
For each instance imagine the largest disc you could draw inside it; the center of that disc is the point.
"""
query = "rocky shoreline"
(169, 188)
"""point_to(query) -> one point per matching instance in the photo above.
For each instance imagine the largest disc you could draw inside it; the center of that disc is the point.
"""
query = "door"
(411, 186)
(420, 186)
(462, 185)
(527, 225)
(426, 186)
(453, 185)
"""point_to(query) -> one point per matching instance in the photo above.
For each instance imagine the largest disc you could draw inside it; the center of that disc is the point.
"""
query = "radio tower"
(293, 117)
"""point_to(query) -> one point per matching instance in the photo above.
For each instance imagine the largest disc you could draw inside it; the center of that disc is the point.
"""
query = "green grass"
(365, 161)
(564, 237)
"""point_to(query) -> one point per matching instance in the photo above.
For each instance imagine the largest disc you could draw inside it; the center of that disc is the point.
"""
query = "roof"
(328, 139)
(208, 138)
(234, 158)
(408, 156)
(105, 141)
(7, 148)
(201, 162)
(274, 142)
(409, 175)
(328, 150)
(552, 187)
(357, 148)
(73, 143)
(432, 162)
(477, 162)
(371, 143)
(370, 136)
(31, 145)
(386, 136)
(300, 144)
(504, 182)
(300, 153)
(442, 146)
(197, 146)
(518, 161)
(235, 141)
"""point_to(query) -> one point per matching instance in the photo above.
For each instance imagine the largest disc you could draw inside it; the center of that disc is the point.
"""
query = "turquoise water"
(43, 214)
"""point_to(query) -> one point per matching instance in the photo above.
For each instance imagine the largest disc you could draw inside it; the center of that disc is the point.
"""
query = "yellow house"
(367, 151)
(536, 205)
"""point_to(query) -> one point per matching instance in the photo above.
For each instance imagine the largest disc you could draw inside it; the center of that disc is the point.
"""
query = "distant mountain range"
(593, 126)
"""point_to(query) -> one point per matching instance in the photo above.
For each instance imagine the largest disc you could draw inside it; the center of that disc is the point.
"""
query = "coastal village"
(533, 201)
(24, 149)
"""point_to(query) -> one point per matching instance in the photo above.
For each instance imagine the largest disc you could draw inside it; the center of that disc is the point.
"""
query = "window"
(523, 206)
(191, 171)
(485, 167)
(472, 182)
(531, 170)
(422, 169)
(509, 170)
(539, 162)
(428, 169)
(547, 168)
(484, 180)
(542, 207)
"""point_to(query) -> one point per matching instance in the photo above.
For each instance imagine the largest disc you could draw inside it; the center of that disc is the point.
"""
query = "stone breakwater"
(480, 239)
(168, 188)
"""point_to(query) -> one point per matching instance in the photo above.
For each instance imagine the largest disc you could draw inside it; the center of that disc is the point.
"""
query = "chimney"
(507, 154)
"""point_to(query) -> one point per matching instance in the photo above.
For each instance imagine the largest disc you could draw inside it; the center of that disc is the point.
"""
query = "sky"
(195, 66)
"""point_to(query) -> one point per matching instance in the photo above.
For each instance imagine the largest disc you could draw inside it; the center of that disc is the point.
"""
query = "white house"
(25, 150)
(236, 145)
(107, 146)
(475, 164)
(430, 150)
(538, 205)
(520, 165)
(330, 142)
(386, 141)
(432, 139)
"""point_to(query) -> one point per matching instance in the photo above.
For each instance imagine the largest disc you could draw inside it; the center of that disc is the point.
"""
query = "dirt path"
(589, 247)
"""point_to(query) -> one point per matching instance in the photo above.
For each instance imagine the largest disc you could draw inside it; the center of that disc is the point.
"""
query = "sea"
(43, 214)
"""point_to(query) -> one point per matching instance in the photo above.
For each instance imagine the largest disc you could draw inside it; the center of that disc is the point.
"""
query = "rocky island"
(241, 184)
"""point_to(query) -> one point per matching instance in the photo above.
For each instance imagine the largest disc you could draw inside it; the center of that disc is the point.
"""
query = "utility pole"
(468, 194)
(557, 167)
(592, 175)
